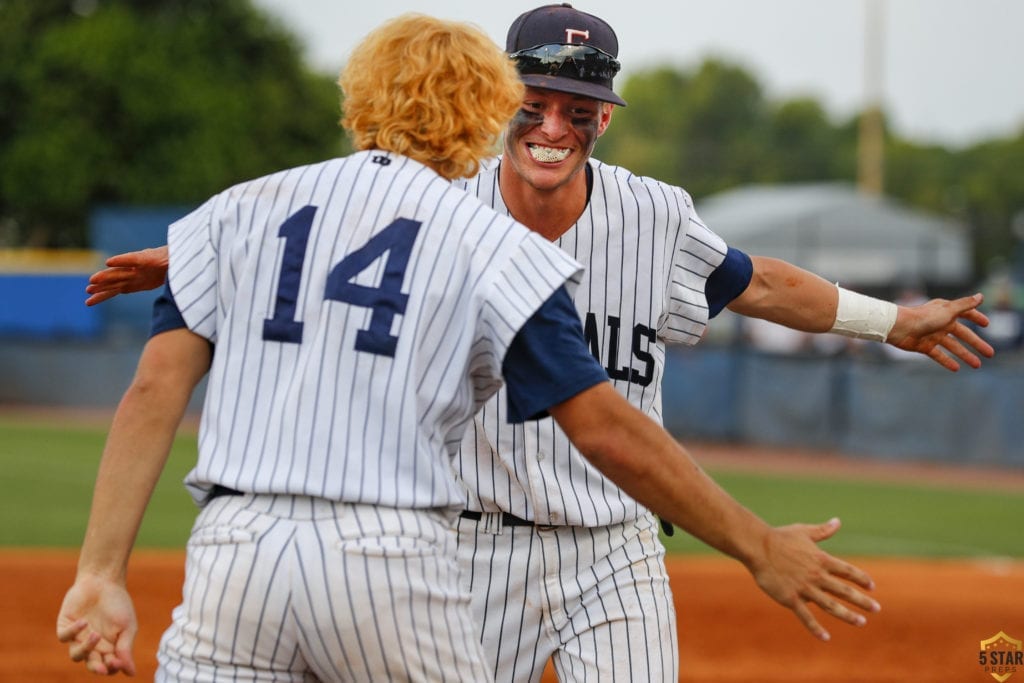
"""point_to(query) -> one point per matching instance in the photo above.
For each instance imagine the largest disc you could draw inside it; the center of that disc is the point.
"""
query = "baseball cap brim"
(572, 86)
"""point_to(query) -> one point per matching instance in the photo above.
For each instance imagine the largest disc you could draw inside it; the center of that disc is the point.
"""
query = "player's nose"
(555, 124)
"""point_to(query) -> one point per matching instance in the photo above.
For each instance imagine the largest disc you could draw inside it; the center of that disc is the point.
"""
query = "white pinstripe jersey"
(361, 309)
(647, 257)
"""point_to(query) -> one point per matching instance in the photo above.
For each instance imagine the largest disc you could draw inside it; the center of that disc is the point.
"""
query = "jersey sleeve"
(192, 270)
(696, 253)
(548, 361)
(728, 280)
(166, 316)
(534, 271)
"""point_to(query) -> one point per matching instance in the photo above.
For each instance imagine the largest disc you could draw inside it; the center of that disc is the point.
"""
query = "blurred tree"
(705, 131)
(803, 144)
(994, 198)
(726, 128)
(647, 135)
(713, 129)
(146, 101)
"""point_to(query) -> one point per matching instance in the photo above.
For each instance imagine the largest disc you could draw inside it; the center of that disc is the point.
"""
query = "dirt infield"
(934, 616)
(935, 613)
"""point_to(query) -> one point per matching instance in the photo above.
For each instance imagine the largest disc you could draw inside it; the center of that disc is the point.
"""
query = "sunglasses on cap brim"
(581, 62)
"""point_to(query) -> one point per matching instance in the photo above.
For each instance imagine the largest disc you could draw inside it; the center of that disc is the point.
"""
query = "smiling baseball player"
(562, 563)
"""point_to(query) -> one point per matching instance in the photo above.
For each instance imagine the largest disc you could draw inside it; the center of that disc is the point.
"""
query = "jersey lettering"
(394, 243)
(643, 337)
(613, 351)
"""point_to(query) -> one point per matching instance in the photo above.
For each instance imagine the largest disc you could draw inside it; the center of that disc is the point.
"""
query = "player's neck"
(548, 212)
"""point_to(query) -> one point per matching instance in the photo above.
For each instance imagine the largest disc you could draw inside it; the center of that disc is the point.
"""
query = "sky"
(946, 72)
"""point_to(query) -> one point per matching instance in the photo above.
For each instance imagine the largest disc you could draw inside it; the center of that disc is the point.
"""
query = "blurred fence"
(42, 292)
(901, 410)
(860, 406)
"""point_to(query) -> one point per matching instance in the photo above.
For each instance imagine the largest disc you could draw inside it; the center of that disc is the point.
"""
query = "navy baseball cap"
(561, 48)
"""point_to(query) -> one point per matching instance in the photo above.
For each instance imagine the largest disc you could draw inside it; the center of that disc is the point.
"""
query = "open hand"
(796, 572)
(136, 271)
(936, 329)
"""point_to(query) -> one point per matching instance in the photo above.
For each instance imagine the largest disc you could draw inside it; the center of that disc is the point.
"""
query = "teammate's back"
(353, 296)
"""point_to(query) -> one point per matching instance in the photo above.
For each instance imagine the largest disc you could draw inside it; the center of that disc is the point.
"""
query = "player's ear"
(606, 117)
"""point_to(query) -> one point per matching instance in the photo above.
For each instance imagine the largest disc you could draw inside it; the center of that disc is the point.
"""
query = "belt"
(506, 518)
(219, 490)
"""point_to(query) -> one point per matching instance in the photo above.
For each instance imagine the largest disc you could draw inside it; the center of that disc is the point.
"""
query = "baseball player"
(363, 308)
(561, 561)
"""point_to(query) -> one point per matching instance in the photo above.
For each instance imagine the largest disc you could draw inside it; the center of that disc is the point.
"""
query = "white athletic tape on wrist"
(863, 317)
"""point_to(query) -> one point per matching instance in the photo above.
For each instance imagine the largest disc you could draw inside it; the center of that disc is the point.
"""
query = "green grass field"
(48, 470)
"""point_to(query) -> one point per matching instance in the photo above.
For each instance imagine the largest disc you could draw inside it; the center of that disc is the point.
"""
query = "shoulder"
(639, 185)
(649, 198)
(486, 176)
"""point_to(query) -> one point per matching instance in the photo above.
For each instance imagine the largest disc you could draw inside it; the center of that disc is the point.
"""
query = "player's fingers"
(100, 297)
(822, 532)
(942, 359)
(835, 608)
(966, 303)
(963, 334)
(95, 664)
(68, 632)
(809, 622)
(975, 316)
(122, 657)
(129, 260)
(845, 591)
(79, 650)
(958, 350)
(111, 277)
(849, 572)
(103, 277)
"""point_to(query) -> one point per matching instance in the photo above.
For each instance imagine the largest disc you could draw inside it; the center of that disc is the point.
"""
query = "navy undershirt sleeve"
(548, 362)
(166, 315)
(728, 281)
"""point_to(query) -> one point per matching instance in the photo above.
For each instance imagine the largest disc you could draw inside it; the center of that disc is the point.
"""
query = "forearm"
(640, 457)
(657, 471)
(136, 450)
(788, 295)
(133, 458)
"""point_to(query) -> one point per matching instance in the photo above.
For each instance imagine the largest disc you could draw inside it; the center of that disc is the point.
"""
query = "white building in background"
(862, 241)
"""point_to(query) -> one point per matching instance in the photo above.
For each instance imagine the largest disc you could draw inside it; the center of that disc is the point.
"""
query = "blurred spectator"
(770, 337)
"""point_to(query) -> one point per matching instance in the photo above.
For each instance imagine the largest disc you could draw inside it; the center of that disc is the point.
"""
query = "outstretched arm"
(136, 271)
(657, 471)
(97, 619)
(788, 295)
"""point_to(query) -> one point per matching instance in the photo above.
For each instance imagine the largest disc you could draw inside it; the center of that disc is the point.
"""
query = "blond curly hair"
(439, 92)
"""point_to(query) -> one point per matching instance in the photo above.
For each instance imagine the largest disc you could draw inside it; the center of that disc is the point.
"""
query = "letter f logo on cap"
(571, 33)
